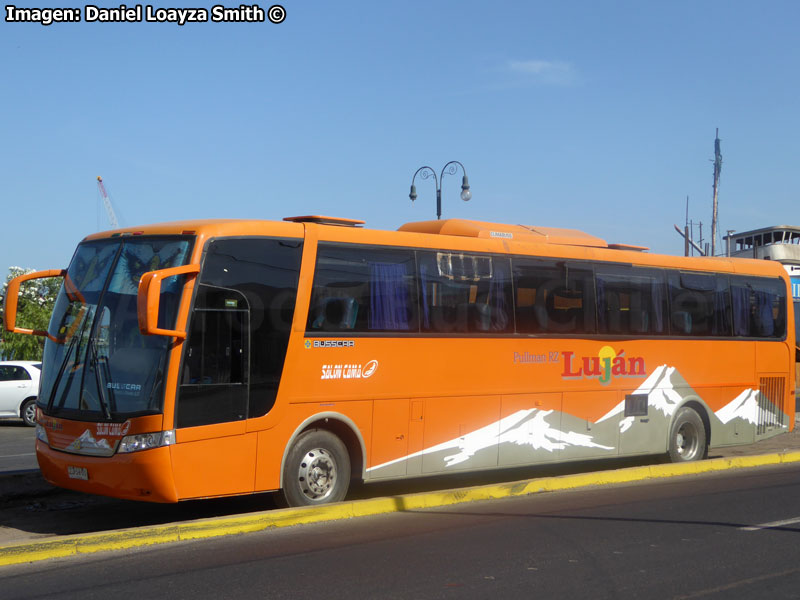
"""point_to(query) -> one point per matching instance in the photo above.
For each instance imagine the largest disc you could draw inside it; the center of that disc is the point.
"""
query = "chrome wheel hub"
(317, 474)
(686, 441)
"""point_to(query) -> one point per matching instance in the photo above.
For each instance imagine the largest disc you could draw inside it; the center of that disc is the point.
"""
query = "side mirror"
(148, 300)
(12, 297)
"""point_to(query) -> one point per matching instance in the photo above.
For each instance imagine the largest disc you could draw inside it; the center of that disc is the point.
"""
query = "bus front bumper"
(144, 476)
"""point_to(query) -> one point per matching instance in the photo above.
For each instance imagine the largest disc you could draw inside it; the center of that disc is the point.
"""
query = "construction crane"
(112, 217)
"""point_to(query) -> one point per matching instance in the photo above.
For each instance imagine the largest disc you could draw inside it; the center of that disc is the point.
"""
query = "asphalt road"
(31, 509)
(16, 446)
(697, 537)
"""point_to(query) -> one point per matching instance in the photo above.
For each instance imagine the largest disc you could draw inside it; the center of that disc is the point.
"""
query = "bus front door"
(214, 455)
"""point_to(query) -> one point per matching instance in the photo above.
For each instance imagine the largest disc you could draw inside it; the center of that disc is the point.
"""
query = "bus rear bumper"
(144, 476)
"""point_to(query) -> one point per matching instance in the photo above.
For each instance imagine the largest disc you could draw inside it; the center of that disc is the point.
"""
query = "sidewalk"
(786, 442)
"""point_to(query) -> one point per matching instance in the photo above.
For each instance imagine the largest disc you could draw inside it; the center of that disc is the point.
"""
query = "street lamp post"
(450, 169)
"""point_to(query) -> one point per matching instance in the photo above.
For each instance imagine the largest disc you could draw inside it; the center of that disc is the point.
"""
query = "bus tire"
(687, 437)
(28, 412)
(317, 470)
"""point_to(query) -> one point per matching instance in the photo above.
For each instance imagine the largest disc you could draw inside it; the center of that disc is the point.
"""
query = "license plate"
(78, 473)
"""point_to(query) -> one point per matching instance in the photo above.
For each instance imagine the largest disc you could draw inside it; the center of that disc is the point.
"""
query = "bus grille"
(770, 404)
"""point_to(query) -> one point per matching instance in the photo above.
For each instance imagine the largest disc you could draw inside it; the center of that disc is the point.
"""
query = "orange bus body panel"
(134, 476)
(218, 466)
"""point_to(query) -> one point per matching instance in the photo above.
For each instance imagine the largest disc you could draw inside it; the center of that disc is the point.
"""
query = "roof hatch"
(321, 220)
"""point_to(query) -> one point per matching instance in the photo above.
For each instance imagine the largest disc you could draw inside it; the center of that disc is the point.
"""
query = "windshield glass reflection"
(101, 367)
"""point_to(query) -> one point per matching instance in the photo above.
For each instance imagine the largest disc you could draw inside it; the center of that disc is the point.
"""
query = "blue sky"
(594, 115)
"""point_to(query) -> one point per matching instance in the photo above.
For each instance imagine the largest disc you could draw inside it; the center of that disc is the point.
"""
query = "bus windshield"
(100, 367)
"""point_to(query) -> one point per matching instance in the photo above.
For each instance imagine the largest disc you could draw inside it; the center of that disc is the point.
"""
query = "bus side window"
(700, 304)
(334, 314)
(554, 296)
(758, 306)
(630, 300)
(363, 289)
(465, 293)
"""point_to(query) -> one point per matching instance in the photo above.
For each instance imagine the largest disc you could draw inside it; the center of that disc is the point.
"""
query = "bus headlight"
(41, 434)
(146, 441)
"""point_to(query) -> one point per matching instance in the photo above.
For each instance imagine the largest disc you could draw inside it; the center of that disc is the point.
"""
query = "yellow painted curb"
(220, 526)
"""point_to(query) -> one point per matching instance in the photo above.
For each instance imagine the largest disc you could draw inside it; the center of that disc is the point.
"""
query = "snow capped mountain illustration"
(666, 389)
(527, 427)
(662, 395)
(87, 444)
(531, 434)
(746, 406)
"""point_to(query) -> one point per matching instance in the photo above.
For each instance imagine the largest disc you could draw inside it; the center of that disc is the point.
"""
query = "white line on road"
(771, 525)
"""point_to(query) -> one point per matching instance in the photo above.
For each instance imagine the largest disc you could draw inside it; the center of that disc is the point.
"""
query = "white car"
(19, 386)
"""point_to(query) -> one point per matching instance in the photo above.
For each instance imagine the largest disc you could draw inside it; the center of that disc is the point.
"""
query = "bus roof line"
(521, 233)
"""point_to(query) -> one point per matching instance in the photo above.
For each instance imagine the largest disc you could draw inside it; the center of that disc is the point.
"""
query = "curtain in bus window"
(500, 296)
(423, 278)
(602, 304)
(764, 322)
(722, 322)
(740, 306)
(389, 296)
(658, 298)
(770, 307)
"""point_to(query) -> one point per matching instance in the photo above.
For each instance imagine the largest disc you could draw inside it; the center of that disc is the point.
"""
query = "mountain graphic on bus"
(666, 390)
(523, 428)
(535, 435)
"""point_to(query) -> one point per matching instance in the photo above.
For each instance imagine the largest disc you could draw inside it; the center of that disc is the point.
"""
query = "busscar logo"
(349, 371)
(330, 344)
(124, 389)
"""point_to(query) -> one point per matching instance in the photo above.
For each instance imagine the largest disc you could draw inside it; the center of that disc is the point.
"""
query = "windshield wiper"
(61, 370)
(151, 401)
(101, 395)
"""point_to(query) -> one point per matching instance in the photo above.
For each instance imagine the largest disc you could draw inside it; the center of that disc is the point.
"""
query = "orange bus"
(213, 358)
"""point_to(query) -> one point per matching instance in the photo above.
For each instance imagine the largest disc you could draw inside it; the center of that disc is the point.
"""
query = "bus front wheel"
(317, 470)
(687, 439)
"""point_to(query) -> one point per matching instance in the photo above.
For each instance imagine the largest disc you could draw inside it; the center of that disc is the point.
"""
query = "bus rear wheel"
(317, 470)
(687, 438)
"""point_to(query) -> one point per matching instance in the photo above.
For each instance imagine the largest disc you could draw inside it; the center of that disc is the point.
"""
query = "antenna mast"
(717, 170)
